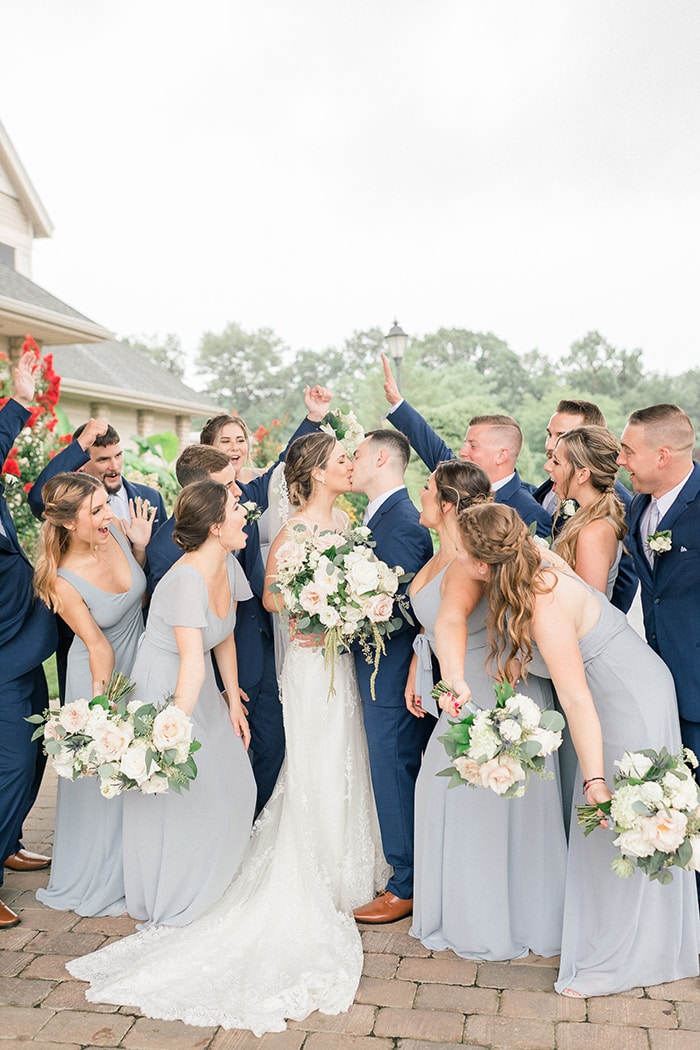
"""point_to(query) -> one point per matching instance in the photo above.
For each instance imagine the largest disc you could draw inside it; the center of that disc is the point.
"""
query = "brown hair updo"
(63, 495)
(304, 455)
(495, 534)
(200, 505)
(460, 483)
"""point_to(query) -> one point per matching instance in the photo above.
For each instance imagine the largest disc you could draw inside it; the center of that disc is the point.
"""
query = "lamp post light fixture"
(397, 340)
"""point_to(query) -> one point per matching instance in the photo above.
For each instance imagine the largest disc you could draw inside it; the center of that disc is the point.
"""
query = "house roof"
(117, 373)
(26, 307)
(22, 185)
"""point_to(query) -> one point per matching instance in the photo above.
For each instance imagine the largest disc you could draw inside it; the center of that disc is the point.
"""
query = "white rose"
(51, 730)
(690, 757)
(362, 577)
(529, 711)
(694, 862)
(548, 739)
(133, 763)
(155, 785)
(501, 773)
(290, 556)
(510, 730)
(63, 764)
(621, 809)
(134, 705)
(111, 740)
(468, 769)
(635, 765)
(313, 597)
(682, 794)
(171, 727)
(388, 580)
(323, 541)
(96, 721)
(666, 830)
(635, 842)
(74, 716)
(378, 608)
(352, 614)
(111, 787)
(329, 616)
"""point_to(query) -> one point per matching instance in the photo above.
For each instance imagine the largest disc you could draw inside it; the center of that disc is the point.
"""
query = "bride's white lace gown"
(282, 941)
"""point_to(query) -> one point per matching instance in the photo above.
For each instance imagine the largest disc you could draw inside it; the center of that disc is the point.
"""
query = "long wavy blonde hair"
(62, 495)
(596, 449)
(493, 533)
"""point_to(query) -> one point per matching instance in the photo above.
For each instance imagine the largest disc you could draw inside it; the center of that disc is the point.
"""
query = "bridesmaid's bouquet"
(333, 585)
(127, 744)
(345, 426)
(655, 813)
(500, 748)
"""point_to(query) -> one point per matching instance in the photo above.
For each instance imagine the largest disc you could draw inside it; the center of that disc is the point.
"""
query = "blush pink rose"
(499, 774)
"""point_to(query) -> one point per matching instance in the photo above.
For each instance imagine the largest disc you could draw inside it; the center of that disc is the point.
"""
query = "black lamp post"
(397, 340)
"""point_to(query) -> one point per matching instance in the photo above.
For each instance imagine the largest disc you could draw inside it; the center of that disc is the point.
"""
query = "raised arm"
(427, 444)
(71, 458)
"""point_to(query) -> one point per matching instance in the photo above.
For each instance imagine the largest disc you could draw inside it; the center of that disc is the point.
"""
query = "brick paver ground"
(408, 999)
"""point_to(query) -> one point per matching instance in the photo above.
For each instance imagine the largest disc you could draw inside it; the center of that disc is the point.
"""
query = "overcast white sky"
(527, 167)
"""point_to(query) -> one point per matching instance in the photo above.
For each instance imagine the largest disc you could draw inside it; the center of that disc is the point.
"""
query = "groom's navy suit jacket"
(433, 450)
(395, 738)
(671, 593)
(627, 580)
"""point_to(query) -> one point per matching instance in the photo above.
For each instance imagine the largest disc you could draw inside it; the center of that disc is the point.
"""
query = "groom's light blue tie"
(652, 526)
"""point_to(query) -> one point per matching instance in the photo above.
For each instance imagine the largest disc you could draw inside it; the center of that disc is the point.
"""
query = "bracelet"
(591, 780)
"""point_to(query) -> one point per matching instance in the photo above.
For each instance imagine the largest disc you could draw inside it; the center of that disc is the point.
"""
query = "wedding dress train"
(282, 941)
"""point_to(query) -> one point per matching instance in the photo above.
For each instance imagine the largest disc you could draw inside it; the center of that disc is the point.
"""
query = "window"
(7, 254)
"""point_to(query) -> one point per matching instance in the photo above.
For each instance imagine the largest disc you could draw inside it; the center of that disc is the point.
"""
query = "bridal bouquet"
(500, 748)
(655, 813)
(127, 744)
(332, 584)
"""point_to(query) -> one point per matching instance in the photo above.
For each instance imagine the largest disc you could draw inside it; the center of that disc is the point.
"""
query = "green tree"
(594, 365)
(167, 352)
(245, 370)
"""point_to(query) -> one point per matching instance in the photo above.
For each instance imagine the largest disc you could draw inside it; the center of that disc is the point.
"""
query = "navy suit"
(257, 674)
(396, 739)
(433, 450)
(627, 580)
(27, 638)
(69, 459)
(671, 598)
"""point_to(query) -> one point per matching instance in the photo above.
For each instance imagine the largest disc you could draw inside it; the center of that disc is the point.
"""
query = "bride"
(282, 941)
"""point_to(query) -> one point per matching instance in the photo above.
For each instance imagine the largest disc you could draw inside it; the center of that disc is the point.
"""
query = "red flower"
(29, 344)
(28, 487)
(11, 466)
(275, 422)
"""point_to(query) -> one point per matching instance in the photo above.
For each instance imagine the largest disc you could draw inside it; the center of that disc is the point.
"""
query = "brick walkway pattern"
(408, 999)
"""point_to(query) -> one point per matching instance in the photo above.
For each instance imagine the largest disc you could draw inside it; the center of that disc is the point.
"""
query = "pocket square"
(684, 550)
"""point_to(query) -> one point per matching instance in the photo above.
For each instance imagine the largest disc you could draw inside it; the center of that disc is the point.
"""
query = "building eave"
(109, 394)
(47, 326)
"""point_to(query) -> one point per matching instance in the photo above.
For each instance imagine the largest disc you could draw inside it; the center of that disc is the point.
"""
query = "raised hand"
(23, 378)
(393, 394)
(93, 429)
(138, 529)
(317, 400)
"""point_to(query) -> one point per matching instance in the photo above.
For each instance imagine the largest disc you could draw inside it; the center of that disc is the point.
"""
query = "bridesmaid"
(583, 467)
(89, 574)
(181, 851)
(511, 901)
(618, 696)
(231, 435)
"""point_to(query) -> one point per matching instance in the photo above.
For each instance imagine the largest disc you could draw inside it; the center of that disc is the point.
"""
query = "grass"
(51, 677)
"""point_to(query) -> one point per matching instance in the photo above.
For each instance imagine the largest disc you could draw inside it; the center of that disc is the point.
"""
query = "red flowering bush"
(266, 444)
(35, 445)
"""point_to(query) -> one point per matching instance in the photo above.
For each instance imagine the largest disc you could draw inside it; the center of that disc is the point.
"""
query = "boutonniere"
(252, 511)
(660, 542)
(568, 508)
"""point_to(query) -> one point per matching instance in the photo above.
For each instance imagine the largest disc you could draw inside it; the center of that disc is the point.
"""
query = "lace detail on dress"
(282, 941)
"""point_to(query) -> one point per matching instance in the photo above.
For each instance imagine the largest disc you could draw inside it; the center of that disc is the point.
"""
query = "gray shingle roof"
(118, 365)
(15, 285)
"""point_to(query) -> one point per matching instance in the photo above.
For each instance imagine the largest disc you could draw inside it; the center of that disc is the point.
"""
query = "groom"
(395, 738)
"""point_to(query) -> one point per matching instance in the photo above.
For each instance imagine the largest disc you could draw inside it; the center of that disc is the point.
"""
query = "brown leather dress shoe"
(384, 908)
(23, 860)
(7, 917)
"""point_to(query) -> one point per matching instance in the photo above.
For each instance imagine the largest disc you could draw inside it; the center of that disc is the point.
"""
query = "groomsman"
(493, 442)
(395, 738)
(569, 414)
(27, 638)
(657, 451)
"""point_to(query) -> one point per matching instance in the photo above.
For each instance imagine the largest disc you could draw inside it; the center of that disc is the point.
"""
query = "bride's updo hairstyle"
(306, 454)
(461, 483)
(594, 449)
(63, 495)
(198, 507)
(495, 534)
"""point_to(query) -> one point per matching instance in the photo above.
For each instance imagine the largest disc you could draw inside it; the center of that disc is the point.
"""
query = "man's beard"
(112, 485)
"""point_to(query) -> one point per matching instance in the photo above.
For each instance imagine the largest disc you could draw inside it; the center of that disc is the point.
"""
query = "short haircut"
(198, 462)
(393, 442)
(509, 432)
(573, 406)
(110, 436)
(665, 426)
